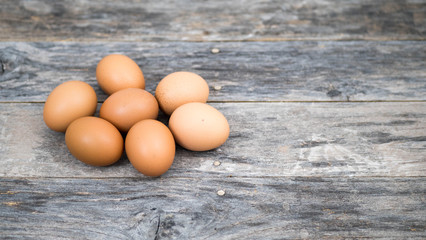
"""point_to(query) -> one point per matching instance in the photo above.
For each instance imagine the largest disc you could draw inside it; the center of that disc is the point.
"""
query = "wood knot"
(333, 92)
(11, 60)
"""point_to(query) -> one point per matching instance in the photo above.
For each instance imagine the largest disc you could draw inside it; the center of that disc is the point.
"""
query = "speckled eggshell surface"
(129, 106)
(115, 72)
(179, 88)
(67, 102)
(94, 141)
(199, 126)
(150, 147)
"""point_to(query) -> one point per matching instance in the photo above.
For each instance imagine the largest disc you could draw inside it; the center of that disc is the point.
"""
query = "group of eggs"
(128, 117)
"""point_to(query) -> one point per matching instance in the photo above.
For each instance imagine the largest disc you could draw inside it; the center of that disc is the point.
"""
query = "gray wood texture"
(241, 71)
(325, 99)
(266, 139)
(221, 20)
(175, 208)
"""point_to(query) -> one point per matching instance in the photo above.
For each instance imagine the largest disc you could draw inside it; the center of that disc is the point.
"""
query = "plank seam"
(222, 40)
(256, 101)
(218, 177)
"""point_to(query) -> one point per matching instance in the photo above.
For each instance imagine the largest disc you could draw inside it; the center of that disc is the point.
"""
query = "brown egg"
(179, 88)
(199, 127)
(67, 102)
(94, 141)
(115, 72)
(129, 106)
(150, 147)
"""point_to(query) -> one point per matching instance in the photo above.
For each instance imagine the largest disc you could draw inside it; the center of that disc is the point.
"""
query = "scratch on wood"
(11, 203)
(8, 192)
(329, 211)
(82, 193)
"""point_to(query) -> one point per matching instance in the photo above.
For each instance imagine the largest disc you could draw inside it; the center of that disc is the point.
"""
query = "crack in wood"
(158, 227)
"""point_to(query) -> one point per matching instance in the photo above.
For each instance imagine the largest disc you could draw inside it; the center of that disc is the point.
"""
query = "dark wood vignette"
(326, 102)
(251, 208)
(221, 20)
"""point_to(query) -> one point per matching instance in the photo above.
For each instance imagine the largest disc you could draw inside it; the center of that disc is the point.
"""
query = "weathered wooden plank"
(221, 20)
(249, 71)
(190, 208)
(266, 139)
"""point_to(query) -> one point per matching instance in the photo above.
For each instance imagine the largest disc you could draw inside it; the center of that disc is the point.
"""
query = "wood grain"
(241, 71)
(190, 208)
(325, 99)
(43, 20)
(266, 139)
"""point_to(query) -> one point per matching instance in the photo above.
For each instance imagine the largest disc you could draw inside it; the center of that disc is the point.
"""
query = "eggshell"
(199, 126)
(94, 141)
(115, 72)
(150, 147)
(129, 106)
(67, 102)
(179, 88)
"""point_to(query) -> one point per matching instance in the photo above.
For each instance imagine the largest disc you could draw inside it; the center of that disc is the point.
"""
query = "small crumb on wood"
(216, 163)
(215, 50)
(221, 192)
(283, 149)
(286, 206)
(304, 233)
(217, 88)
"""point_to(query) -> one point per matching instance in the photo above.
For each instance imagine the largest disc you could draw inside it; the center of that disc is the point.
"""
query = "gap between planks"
(256, 101)
(219, 176)
(337, 39)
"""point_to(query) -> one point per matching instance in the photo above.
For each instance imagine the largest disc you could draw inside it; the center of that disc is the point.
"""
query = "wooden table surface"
(326, 101)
